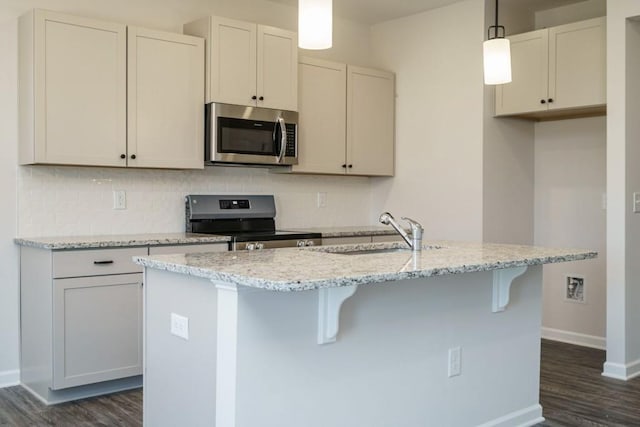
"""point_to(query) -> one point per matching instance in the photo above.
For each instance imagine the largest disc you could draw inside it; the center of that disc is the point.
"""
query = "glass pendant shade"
(497, 61)
(315, 24)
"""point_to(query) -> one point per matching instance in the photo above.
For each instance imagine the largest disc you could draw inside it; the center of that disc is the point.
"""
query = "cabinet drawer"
(96, 262)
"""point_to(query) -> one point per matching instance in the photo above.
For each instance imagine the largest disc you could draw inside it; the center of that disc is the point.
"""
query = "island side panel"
(179, 374)
(389, 364)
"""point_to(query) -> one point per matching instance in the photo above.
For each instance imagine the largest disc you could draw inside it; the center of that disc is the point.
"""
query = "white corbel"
(502, 280)
(329, 302)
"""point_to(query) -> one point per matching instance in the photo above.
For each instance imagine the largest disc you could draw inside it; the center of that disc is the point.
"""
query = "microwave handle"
(283, 139)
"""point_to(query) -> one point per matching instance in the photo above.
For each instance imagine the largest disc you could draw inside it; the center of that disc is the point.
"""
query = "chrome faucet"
(415, 241)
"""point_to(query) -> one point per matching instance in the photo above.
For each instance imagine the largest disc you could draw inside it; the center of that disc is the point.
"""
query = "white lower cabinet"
(97, 329)
(81, 321)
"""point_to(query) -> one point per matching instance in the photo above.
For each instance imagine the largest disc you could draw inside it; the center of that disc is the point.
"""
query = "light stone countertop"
(351, 231)
(124, 240)
(300, 269)
(127, 240)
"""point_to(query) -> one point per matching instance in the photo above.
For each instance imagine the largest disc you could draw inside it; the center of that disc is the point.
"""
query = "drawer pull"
(103, 262)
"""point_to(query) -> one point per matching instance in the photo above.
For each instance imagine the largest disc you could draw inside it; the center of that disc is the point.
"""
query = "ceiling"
(375, 11)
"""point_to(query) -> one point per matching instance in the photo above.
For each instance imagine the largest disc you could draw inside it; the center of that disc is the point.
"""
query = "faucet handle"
(416, 227)
(385, 217)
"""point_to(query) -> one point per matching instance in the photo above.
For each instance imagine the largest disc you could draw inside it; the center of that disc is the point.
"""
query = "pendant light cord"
(496, 28)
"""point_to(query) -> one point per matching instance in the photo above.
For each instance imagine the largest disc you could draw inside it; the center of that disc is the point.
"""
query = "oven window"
(245, 136)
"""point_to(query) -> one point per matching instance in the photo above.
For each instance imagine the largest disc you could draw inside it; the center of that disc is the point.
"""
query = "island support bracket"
(329, 302)
(502, 280)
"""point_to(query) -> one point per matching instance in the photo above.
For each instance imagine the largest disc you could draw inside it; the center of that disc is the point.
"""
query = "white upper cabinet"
(557, 71)
(232, 61)
(530, 72)
(277, 74)
(249, 64)
(166, 100)
(346, 123)
(92, 95)
(370, 121)
(73, 88)
(577, 64)
(322, 125)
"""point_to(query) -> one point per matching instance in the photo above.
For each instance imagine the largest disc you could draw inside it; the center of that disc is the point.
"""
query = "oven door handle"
(283, 139)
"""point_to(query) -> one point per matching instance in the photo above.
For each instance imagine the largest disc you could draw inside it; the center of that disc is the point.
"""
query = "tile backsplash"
(58, 201)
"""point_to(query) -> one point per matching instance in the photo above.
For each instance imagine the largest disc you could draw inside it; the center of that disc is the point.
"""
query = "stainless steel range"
(249, 220)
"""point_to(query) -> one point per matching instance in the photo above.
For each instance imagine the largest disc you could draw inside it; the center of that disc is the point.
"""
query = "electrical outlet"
(322, 199)
(574, 289)
(455, 361)
(636, 202)
(119, 199)
(180, 326)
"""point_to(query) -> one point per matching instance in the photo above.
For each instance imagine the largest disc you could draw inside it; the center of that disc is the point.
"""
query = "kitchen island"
(353, 335)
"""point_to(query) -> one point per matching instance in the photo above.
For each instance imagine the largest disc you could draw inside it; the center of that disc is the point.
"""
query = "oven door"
(250, 135)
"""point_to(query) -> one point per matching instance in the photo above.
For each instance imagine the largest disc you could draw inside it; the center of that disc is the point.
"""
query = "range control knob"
(251, 246)
(309, 243)
(259, 246)
(301, 244)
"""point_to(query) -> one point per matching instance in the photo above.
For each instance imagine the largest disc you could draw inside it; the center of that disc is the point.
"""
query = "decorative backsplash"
(58, 201)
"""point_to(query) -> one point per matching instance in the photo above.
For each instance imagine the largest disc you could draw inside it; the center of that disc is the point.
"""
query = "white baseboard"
(9, 378)
(574, 338)
(619, 371)
(523, 418)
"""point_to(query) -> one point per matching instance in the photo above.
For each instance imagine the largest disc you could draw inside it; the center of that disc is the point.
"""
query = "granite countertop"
(351, 231)
(300, 269)
(124, 240)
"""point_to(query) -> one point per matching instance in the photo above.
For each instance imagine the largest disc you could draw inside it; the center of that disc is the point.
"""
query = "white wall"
(570, 181)
(437, 58)
(623, 178)
(9, 332)
(570, 13)
(69, 200)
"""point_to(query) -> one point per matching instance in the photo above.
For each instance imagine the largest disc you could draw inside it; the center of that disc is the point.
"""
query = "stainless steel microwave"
(250, 135)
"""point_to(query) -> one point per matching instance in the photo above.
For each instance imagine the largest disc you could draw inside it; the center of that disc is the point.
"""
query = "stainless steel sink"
(373, 251)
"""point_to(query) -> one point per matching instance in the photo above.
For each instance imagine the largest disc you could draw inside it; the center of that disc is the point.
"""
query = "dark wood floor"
(572, 392)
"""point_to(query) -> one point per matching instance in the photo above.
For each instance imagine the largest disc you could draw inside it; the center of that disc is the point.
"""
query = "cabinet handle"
(550, 100)
(542, 101)
(344, 166)
(254, 97)
(133, 156)
(261, 98)
(350, 166)
(123, 156)
(103, 262)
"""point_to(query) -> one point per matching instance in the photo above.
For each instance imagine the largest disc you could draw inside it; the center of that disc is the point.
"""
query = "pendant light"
(497, 55)
(315, 24)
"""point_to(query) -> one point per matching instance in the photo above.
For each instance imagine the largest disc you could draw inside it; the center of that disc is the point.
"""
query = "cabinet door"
(165, 100)
(370, 122)
(529, 68)
(577, 64)
(277, 77)
(323, 117)
(233, 61)
(97, 329)
(73, 90)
